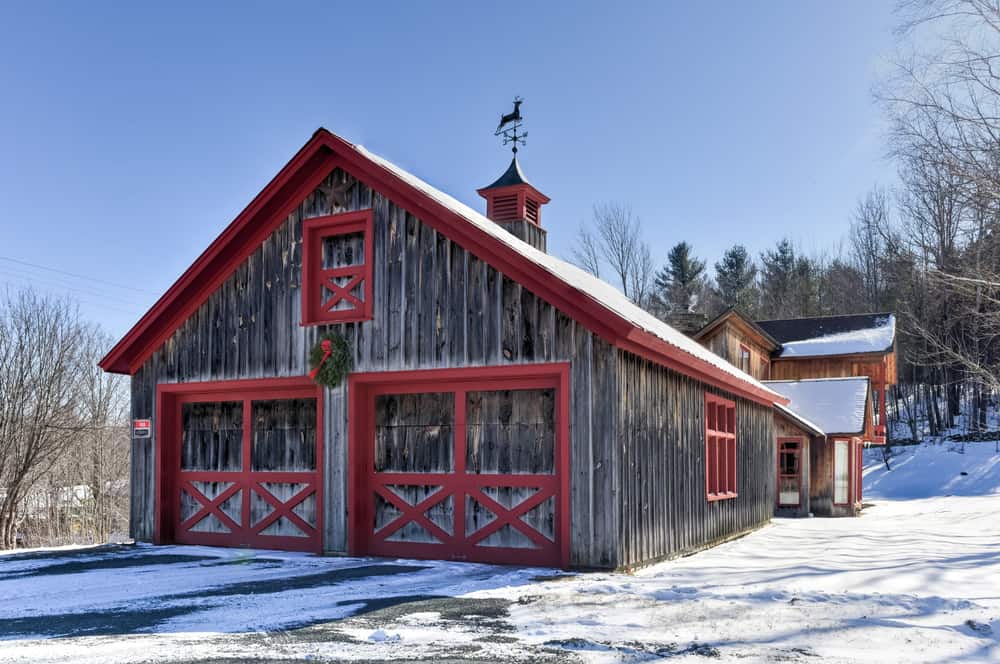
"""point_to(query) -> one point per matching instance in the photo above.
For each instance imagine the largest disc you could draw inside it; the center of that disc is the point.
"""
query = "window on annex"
(744, 358)
(841, 472)
(876, 410)
(720, 448)
(337, 255)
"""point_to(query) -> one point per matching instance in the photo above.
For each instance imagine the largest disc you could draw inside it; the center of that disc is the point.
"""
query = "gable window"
(744, 358)
(337, 256)
(720, 448)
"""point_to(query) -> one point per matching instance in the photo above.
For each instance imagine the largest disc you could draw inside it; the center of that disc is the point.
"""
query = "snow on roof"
(600, 291)
(871, 334)
(834, 405)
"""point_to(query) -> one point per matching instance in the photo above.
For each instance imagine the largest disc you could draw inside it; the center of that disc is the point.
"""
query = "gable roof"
(735, 315)
(594, 303)
(835, 405)
(833, 335)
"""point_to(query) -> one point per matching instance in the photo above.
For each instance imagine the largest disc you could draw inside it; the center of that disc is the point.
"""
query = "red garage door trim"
(169, 399)
(361, 476)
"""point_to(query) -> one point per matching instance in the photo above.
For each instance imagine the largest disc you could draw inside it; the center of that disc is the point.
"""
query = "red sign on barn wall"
(141, 428)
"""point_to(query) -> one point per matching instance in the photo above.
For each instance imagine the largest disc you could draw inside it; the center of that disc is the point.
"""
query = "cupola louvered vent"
(531, 211)
(505, 208)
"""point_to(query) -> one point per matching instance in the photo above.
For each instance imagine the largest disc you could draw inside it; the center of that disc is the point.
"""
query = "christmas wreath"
(330, 360)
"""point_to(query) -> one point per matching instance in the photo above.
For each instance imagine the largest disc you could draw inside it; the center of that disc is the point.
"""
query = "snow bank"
(934, 469)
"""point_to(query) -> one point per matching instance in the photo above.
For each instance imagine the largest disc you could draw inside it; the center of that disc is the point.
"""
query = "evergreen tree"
(736, 280)
(680, 282)
(778, 280)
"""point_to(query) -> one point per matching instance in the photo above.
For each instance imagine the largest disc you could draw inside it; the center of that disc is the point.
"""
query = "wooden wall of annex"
(435, 305)
(664, 510)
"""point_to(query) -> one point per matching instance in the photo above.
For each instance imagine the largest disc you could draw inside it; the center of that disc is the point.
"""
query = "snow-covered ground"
(914, 580)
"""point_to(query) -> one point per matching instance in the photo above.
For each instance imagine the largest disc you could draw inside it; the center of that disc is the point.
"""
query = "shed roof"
(833, 335)
(594, 303)
(834, 405)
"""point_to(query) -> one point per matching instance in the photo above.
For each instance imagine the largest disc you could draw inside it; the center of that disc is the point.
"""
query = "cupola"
(512, 201)
(515, 204)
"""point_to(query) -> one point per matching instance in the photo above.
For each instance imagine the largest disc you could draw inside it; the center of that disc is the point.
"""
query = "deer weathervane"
(509, 126)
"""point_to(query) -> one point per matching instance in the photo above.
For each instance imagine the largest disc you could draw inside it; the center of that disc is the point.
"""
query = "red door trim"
(170, 396)
(362, 386)
(801, 448)
(850, 470)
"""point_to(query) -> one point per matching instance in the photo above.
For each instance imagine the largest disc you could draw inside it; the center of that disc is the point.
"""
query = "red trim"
(720, 434)
(850, 471)
(801, 474)
(316, 279)
(362, 478)
(170, 479)
(302, 175)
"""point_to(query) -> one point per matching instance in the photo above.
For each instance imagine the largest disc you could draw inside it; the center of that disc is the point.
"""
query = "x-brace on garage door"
(462, 464)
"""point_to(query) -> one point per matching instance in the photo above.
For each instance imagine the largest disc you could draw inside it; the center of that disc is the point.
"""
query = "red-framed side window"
(337, 255)
(720, 448)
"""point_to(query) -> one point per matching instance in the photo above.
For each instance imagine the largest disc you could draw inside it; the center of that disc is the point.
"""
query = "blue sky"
(130, 136)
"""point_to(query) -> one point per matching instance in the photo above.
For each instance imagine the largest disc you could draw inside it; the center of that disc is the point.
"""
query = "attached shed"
(837, 414)
(502, 406)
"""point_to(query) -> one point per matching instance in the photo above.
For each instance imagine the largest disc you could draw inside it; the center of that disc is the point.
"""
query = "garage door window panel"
(510, 432)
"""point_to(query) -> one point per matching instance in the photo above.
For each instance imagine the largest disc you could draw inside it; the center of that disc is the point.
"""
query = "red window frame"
(720, 448)
(316, 279)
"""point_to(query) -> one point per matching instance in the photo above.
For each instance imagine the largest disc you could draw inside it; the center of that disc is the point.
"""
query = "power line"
(75, 275)
(90, 303)
(29, 278)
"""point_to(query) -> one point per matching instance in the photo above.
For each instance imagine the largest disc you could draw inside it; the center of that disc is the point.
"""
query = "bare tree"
(40, 370)
(614, 239)
(868, 238)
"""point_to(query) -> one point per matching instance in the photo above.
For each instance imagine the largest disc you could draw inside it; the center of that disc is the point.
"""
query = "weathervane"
(509, 125)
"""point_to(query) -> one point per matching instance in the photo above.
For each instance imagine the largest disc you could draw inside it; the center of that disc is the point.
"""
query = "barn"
(501, 405)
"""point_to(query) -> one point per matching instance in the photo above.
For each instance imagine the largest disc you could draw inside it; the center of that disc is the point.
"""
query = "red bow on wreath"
(327, 347)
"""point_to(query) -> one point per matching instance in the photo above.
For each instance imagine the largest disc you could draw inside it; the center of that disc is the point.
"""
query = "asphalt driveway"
(226, 605)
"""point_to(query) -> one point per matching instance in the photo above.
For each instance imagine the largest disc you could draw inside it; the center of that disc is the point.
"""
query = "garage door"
(462, 465)
(246, 470)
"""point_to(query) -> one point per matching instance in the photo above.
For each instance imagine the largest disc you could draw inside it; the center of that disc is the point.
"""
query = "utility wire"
(75, 275)
(29, 278)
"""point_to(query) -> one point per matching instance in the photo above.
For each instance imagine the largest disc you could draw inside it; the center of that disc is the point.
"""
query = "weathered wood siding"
(525, 230)
(663, 505)
(880, 368)
(435, 305)
(725, 342)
